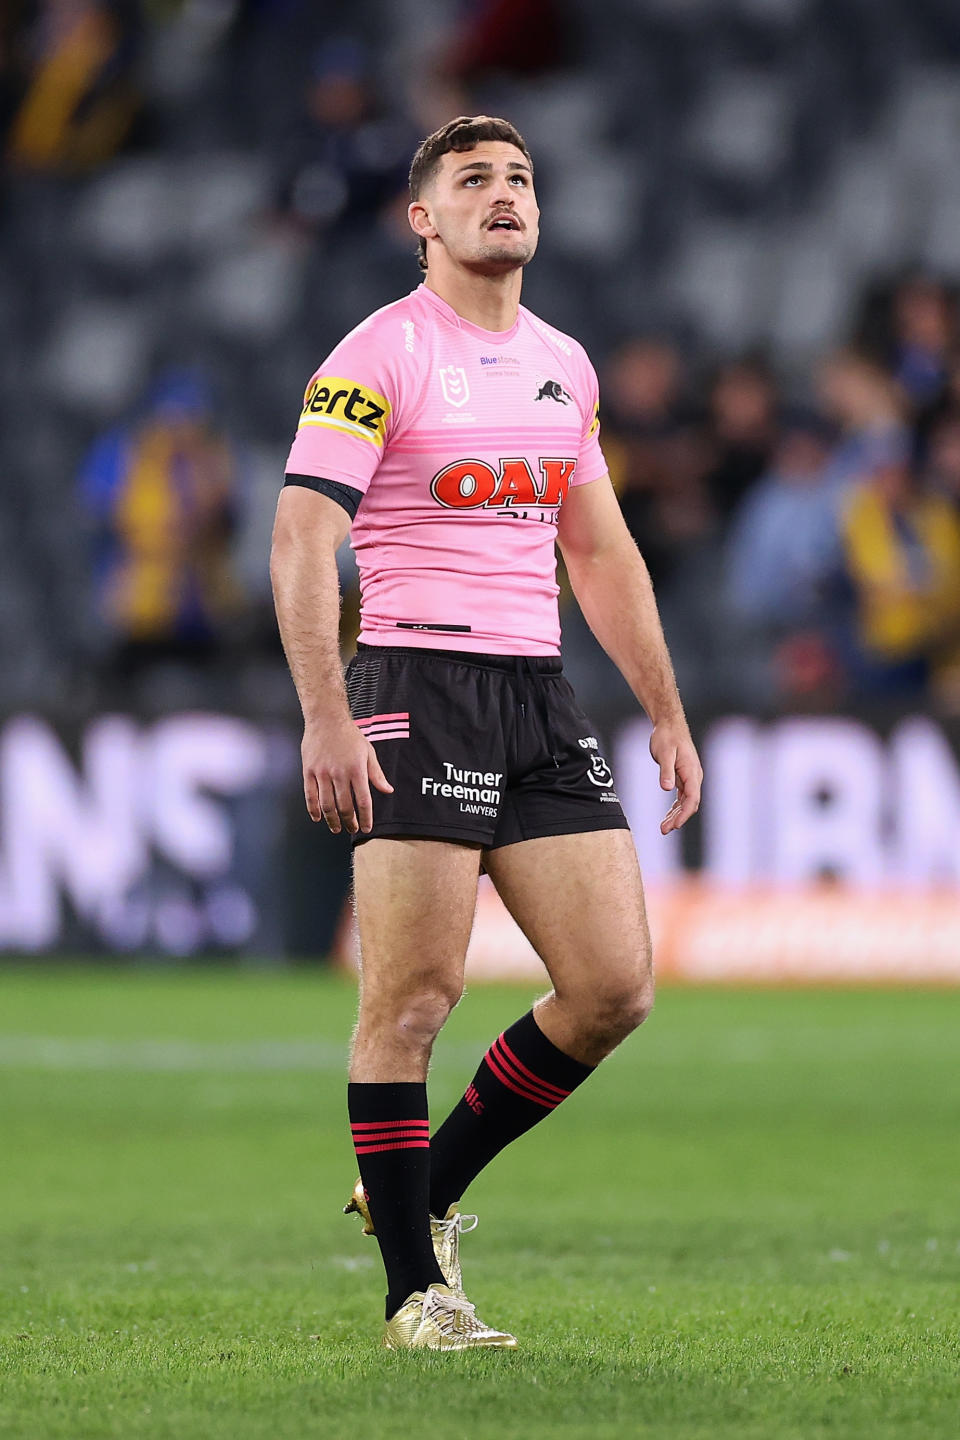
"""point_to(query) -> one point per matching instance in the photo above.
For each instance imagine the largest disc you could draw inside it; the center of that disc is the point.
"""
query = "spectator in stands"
(782, 567)
(348, 160)
(945, 406)
(943, 469)
(924, 332)
(901, 548)
(863, 399)
(741, 431)
(510, 37)
(493, 39)
(656, 457)
(643, 392)
(78, 96)
(784, 541)
(161, 495)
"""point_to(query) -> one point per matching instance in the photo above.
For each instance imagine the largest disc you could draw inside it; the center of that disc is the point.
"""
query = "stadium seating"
(733, 173)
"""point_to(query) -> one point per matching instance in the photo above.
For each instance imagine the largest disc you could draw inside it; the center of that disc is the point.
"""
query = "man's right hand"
(339, 766)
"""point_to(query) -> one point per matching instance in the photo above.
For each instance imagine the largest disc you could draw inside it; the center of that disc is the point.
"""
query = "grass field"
(747, 1225)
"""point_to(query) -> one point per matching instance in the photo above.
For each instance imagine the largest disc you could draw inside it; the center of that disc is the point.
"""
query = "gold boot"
(445, 1234)
(439, 1320)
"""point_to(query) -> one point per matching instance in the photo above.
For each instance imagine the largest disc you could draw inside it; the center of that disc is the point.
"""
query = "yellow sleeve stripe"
(331, 423)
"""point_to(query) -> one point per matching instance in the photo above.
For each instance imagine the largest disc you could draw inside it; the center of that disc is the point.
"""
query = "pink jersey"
(464, 443)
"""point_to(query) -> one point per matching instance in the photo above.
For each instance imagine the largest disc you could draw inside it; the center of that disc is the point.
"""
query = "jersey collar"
(489, 337)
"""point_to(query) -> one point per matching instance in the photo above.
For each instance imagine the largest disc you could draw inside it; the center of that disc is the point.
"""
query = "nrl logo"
(453, 383)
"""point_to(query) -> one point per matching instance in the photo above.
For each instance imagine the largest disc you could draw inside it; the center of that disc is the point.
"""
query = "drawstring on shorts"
(530, 686)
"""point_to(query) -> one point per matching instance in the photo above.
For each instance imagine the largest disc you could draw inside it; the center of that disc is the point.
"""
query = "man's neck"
(490, 301)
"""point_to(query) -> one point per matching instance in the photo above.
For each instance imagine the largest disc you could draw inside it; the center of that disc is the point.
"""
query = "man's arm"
(612, 586)
(339, 764)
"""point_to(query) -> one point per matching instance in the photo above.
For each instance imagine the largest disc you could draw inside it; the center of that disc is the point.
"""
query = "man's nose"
(500, 193)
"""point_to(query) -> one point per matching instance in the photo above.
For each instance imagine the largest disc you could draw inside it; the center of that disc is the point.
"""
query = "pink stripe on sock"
(518, 1065)
(527, 1086)
(524, 1090)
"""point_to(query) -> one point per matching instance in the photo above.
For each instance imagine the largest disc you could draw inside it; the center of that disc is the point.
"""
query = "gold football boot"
(445, 1234)
(440, 1320)
(358, 1204)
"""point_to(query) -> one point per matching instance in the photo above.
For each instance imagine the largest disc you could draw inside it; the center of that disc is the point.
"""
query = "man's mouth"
(504, 222)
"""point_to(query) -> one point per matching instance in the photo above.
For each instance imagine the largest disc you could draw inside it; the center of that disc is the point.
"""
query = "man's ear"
(420, 221)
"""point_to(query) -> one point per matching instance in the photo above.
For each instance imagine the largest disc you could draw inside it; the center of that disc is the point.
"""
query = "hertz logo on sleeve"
(595, 424)
(344, 405)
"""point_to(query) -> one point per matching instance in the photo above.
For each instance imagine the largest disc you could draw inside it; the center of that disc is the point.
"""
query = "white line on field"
(735, 1046)
(53, 1052)
(49, 1052)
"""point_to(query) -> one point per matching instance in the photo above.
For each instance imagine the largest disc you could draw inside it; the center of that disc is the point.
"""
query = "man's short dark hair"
(464, 133)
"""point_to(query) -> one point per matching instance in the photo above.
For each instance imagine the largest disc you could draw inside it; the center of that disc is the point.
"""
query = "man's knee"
(414, 1018)
(616, 1010)
(423, 1015)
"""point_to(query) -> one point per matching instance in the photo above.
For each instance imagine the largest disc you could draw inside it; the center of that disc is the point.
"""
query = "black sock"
(522, 1077)
(391, 1136)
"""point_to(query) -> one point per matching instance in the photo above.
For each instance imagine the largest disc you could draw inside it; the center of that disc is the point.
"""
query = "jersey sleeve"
(591, 463)
(349, 411)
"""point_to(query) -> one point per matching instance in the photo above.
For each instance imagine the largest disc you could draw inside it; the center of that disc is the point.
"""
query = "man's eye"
(470, 179)
(520, 179)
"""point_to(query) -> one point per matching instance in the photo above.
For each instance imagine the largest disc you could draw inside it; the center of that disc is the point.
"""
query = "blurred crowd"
(812, 540)
(199, 197)
(68, 90)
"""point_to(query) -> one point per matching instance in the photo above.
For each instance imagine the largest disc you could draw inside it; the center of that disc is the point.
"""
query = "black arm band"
(344, 495)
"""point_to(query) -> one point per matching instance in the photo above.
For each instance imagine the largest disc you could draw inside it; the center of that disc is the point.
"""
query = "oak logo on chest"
(474, 485)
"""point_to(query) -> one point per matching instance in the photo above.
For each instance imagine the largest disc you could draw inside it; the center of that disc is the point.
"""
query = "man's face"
(481, 205)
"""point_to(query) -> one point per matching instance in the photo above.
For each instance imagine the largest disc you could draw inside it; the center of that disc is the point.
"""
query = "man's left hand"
(675, 753)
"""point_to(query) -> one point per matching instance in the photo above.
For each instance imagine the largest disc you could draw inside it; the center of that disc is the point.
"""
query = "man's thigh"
(579, 900)
(415, 902)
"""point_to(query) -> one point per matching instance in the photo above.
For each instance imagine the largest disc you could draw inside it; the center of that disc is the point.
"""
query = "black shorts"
(488, 749)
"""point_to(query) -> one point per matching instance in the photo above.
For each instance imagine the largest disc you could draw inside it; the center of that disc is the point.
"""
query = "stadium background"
(751, 219)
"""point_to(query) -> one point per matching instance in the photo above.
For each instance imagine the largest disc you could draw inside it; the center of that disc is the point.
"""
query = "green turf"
(747, 1225)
